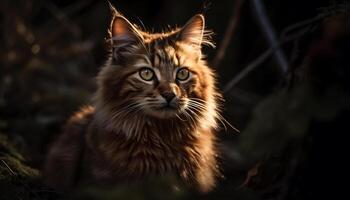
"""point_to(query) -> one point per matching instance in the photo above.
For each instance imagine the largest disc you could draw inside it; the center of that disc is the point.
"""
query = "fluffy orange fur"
(139, 128)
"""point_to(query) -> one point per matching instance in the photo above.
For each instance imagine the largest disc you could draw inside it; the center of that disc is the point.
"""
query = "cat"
(155, 113)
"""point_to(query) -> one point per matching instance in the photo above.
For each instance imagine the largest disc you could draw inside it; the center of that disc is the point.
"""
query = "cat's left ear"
(193, 31)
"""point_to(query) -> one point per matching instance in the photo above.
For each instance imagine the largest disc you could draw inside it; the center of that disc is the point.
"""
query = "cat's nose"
(168, 96)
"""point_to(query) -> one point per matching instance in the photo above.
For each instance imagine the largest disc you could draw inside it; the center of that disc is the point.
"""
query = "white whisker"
(199, 104)
(180, 118)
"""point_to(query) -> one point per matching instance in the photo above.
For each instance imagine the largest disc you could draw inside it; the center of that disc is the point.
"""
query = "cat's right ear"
(124, 36)
(122, 29)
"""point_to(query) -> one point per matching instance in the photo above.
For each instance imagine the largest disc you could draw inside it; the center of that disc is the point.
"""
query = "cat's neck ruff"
(140, 126)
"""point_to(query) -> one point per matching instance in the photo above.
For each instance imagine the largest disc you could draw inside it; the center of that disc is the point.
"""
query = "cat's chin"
(164, 113)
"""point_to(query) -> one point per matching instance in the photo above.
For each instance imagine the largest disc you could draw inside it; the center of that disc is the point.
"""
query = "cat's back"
(79, 120)
(66, 152)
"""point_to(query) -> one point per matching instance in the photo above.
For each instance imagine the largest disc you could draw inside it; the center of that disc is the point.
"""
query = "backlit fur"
(126, 134)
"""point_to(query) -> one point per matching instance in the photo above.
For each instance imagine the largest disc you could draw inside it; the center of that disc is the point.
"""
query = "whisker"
(180, 118)
(190, 117)
(219, 120)
(197, 99)
(123, 109)
(194, 101)
(128, 109)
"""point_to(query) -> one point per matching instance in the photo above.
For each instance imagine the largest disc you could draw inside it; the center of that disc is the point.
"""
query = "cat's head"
(162, 75)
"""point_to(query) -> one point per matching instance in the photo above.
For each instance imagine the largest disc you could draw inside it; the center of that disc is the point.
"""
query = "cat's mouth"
(165, 110)
(168, 107)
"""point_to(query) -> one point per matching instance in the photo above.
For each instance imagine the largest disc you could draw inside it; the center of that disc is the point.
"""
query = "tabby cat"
(155, 113)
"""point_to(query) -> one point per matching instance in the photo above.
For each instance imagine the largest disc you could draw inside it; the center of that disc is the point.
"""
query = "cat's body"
(154, 113)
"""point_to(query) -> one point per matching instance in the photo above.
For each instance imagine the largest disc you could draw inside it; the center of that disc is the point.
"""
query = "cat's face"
(159, 75)
(164, 83)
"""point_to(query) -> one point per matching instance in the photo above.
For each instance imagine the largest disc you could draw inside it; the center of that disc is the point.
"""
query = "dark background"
(291, 122)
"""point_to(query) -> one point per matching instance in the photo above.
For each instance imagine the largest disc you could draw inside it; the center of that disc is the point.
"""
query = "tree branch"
(290, 33)
(229, 33)
(270, 34)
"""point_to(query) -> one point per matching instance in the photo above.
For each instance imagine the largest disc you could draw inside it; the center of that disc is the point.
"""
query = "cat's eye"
(182, 74)
(146, 74)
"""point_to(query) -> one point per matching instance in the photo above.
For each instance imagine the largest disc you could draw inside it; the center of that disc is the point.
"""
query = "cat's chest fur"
(158, 151)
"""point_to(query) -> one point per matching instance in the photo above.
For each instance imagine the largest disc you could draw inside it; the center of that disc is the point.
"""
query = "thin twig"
(68, 11)
(270, 34)
(63, 19)
(16, 176)
(248, 69)
(290, 33)
(8, 167)
(229, 33)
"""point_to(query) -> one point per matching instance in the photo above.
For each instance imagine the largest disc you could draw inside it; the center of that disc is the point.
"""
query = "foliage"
(17, 179)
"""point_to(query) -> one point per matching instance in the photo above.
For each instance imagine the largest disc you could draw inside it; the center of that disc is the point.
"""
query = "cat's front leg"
(64, 160)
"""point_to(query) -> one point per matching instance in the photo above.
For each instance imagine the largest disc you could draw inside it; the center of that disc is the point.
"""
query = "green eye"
(183, 74)
(146, 74)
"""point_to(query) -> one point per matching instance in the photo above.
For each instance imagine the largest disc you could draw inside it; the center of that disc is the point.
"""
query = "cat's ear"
(124, 35)
(193, 31)
(122, 29)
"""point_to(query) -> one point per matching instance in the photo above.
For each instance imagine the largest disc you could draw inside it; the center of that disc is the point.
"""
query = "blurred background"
(283, 67)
